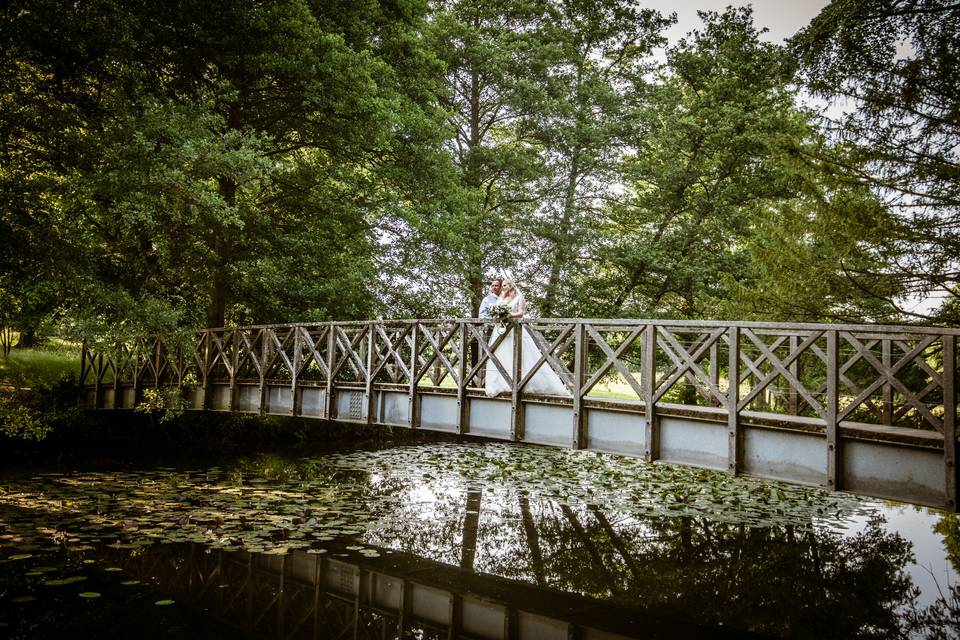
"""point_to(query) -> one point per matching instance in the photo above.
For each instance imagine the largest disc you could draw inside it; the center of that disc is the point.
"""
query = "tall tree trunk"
(28, 338)
(219, 284)
(562, 253)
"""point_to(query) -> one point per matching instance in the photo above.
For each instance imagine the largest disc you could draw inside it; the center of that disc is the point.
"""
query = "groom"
(491, 298)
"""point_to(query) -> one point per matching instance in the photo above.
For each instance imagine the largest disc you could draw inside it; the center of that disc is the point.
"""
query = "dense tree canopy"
(203, 163)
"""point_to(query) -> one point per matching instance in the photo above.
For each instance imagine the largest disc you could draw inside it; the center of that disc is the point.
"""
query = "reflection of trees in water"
(798, 582)
(941, 619)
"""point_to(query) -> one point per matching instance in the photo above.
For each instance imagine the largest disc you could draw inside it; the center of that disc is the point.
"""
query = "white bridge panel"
(438, 413)
(312, 401)
(887, 471)
(248, 398)
(490, 418)
(219, 397)
(280, 400)
(548, 424)
(793, 456)
(483, 619)
(394, 408)
(616, 432)
(695, 442)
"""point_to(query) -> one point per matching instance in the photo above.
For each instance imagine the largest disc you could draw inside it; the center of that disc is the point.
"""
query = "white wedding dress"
(545, 380)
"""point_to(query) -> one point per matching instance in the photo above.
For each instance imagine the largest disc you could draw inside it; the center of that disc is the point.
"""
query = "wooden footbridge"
(869, 409)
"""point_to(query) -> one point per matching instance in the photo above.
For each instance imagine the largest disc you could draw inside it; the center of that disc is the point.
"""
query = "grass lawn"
(40, 367)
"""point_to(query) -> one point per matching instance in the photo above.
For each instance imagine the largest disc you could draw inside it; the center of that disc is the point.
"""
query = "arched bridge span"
(865, 408)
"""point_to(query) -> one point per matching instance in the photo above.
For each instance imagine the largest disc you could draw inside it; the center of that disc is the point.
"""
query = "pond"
(478, 540)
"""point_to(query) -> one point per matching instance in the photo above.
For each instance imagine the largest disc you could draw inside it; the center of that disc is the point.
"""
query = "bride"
(545, 380)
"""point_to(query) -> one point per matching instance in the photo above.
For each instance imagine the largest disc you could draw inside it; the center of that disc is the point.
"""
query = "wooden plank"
(950, 420)
(369, 396)
(580, 366)
(516, 403)
(328, 412)
(462, 403)
(734, 439)
(649, 384)
(832, 410)
(262, 370)
(413, 408)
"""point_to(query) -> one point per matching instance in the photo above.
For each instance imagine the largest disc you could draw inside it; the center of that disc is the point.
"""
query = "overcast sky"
(782, 17)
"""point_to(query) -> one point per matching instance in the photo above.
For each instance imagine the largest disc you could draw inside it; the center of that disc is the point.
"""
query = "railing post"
(463, 407)
(413, 403)
(516, 403)
(886, 356)
(264, 355)
(328, 412)
(714, 371)
(116, 379)
(296, 399)
(649, 381)
(234, 363)
(579, 377)
(205, 404)
(135, 360)
(950, 420)
(733, 401)
(832, 409)
(370, 396)
(793, 397)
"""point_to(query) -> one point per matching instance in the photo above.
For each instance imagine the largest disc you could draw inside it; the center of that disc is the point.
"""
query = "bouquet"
(501, 312)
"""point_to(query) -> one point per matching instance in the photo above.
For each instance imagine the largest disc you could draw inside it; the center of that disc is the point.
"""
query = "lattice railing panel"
(783, 373)
(220, 362)
(350, 353)
(312, 360)
(555, 345)
(392, 353)
(439, 353)
(892, 381)
(613, 362)
(689, 362)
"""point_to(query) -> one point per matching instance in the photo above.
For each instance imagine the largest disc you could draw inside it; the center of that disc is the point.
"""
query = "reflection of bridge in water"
(868, 409)
(580, 572)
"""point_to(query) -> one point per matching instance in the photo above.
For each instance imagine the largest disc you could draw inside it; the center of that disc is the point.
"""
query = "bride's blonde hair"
(509, 281)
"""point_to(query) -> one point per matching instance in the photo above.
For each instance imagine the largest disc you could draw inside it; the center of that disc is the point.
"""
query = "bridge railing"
(883, 381)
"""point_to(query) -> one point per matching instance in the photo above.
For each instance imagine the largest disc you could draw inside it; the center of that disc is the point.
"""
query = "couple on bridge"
(505, 302)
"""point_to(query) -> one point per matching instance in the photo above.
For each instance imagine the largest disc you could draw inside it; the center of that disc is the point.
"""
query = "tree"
(494, 54)
(226, 161)
(893, 64)
(708, 161)
(597, 76)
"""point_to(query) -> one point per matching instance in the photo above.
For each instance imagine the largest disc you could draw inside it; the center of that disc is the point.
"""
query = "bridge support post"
(264, 357)
(370, 396)
(734, 438)
(235, 362)
(950, 420)
(328, 413)
(463, 408)
(413, 402)
(832, 408)
(205, 388)
(579, 377)
(649, 391)
(296, 399)
(516, 403)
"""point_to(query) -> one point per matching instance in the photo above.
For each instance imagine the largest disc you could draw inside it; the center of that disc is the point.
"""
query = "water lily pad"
(89, 594)
(24, 599)
(164, 603)
(130, 583)
(113, 569)
(20, 556)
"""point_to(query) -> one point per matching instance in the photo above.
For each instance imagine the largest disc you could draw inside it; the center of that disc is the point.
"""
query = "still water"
(445, 540)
